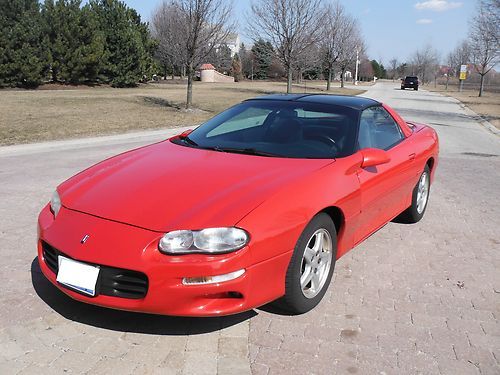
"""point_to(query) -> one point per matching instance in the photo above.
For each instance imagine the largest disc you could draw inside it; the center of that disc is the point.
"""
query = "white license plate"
(77, 275)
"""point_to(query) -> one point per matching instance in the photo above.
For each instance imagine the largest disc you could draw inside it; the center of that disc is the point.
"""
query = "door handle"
(411, 156)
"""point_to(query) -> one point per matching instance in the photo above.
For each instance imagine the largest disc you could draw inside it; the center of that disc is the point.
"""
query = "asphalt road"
(421, 298)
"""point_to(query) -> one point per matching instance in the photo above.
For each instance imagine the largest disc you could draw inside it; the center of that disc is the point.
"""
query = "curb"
(480, 119)
(485, 123)
(79, 143)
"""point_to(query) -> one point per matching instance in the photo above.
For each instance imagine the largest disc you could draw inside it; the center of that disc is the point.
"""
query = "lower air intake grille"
(115, 282)
(123, 283)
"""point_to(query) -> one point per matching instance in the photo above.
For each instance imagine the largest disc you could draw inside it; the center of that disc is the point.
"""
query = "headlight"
(210, 241)
(55, 203)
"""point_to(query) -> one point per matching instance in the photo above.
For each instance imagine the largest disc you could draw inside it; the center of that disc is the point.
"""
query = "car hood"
(166, 186)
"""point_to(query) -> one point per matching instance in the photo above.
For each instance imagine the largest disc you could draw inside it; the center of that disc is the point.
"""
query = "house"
(233, 42)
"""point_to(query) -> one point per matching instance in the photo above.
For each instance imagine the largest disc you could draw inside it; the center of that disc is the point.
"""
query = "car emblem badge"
(84, 239)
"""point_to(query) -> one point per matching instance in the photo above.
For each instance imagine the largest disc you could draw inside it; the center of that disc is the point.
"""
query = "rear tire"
(420, 198)
(311, 268)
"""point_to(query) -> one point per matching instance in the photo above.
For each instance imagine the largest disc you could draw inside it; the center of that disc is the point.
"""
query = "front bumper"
(127, 247)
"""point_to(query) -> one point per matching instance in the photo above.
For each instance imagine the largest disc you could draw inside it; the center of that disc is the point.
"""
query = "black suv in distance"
(409, 82)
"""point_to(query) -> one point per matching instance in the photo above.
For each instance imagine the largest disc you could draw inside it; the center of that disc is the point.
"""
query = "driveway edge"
(34, 148)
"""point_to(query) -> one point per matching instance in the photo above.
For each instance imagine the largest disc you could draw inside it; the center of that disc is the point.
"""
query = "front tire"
(420, 198)
(311, 267)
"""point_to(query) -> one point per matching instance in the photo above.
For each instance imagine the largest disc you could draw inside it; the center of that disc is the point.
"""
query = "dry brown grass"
(487, 106)
(48, 114)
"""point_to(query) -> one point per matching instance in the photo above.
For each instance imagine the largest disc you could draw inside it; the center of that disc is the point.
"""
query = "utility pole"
(357, 65)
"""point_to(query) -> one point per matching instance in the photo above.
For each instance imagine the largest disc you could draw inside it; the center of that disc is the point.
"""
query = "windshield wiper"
(188, 140)
(246, 151)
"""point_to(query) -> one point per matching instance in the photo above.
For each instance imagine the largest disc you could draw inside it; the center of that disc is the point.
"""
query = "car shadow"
(125, 321)
(274, 309)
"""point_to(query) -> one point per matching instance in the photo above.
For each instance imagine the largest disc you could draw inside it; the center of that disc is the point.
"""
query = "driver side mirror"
(373, 157)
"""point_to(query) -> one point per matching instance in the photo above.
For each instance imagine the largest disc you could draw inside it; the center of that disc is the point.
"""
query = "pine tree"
(263, 57)
(128, 48)
(378, 69)
(23, 47)
(148, 63)
(90, 53)
(102, 41)
(246, 61)
(236, 70)
(76, 44)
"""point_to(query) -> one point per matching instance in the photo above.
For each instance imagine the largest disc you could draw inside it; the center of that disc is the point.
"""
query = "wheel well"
(337, 216)
(430, 163)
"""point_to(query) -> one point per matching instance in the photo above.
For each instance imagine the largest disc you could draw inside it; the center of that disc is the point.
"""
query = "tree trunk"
(289, 81)
(190, 77)
(54, 75)
(447, 80)
(342, 78)
(329, 79)
(481, 85)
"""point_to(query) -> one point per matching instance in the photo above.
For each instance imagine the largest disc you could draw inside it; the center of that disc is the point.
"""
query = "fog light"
(212, 279)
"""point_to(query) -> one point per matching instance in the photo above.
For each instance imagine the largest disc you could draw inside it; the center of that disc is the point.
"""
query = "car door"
(384, 188)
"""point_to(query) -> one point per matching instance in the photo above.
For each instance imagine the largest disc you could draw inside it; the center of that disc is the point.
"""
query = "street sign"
(463, 72)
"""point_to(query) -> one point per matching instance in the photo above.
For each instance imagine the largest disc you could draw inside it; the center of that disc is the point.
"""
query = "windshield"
(291, 129)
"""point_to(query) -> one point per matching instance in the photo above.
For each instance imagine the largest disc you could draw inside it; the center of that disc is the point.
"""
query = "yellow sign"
(463, 72)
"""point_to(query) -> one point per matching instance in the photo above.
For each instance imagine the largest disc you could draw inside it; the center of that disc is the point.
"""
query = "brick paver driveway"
(421, 298)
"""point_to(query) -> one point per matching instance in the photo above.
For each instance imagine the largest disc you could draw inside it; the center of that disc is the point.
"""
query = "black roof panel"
(284, 97)
(355, 102)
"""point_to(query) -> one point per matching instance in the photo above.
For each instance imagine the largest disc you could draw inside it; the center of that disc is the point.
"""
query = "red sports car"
(253, 206)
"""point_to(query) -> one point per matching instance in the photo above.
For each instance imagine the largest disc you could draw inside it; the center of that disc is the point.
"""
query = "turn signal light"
(212, 279)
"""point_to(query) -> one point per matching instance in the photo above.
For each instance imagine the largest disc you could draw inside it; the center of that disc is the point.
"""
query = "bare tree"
(394, 67)
(461, 55)
(168, 29)
(425, 63)
(484, 39)
(199, 26)
(291, 26)
(403, 69)
(492, 7)
(366, 71)
(351, 48)
(309, 59)
(450, 68)
(336, 23)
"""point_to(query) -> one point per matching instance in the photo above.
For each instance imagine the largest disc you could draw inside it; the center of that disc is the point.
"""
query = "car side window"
(377, 129)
